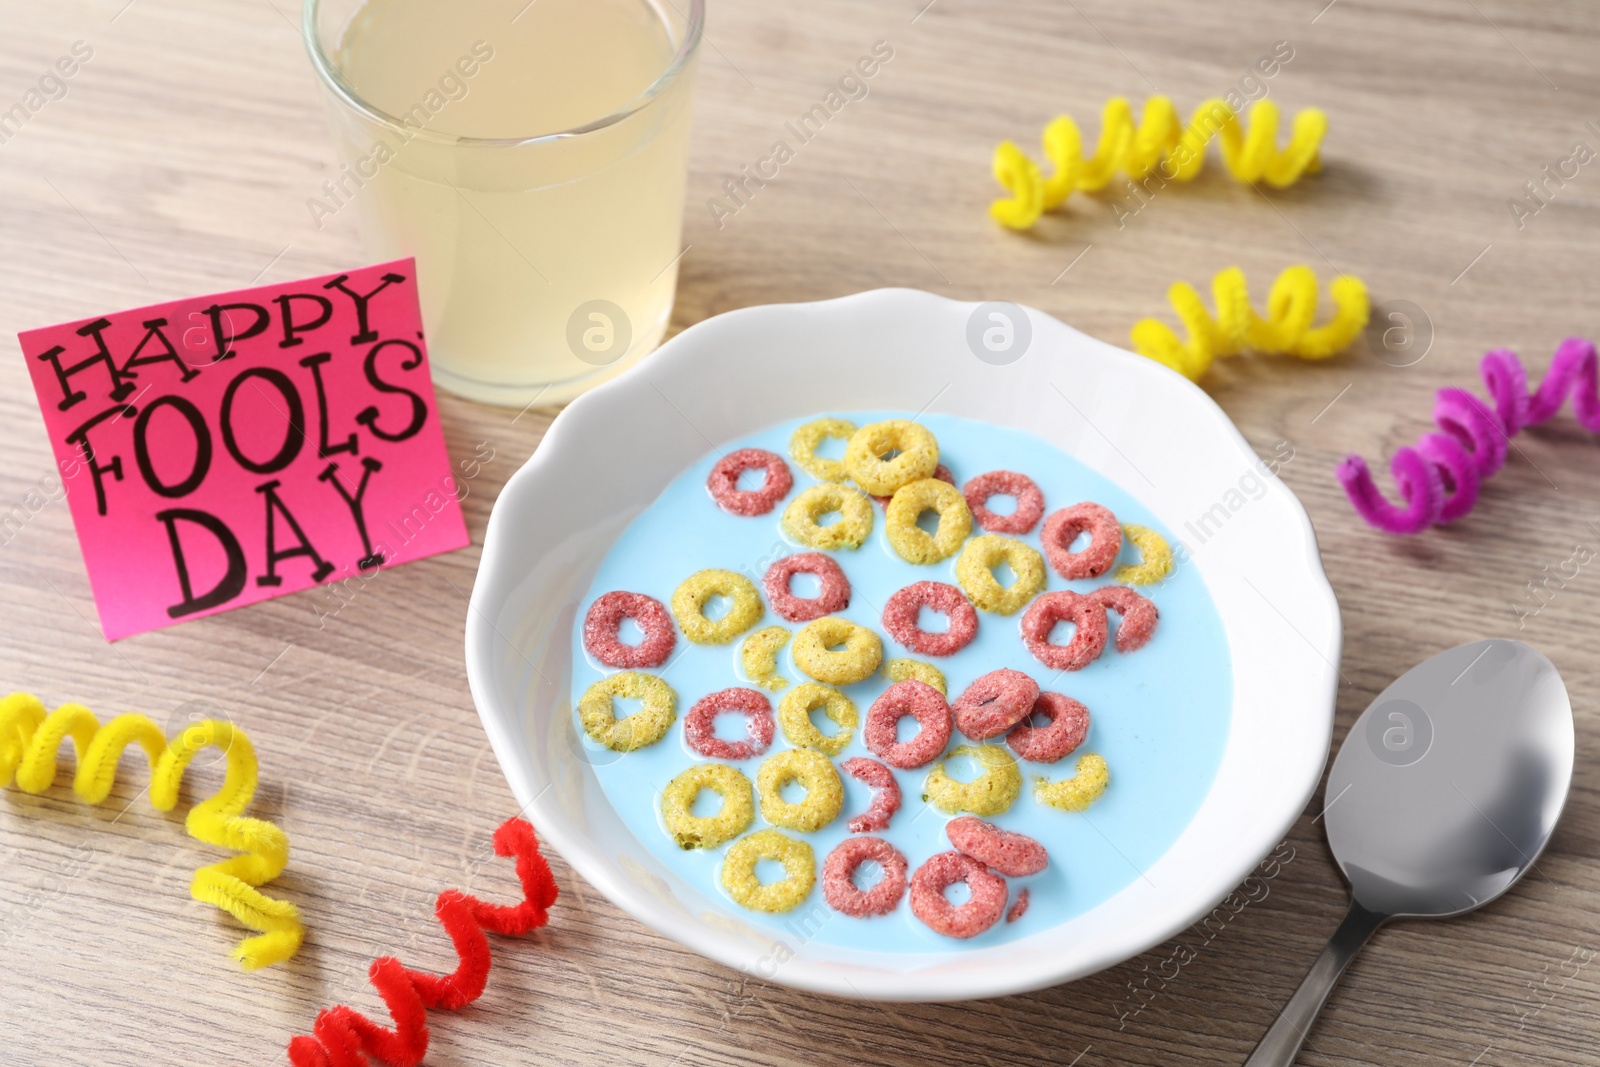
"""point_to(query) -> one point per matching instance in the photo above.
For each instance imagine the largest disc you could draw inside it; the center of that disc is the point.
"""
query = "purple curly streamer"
(1438, 479)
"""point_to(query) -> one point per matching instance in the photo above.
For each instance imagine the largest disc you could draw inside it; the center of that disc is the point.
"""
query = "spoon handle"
(1281, 1043)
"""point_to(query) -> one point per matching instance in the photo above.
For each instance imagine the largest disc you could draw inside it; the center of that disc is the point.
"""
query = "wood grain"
(179, 163)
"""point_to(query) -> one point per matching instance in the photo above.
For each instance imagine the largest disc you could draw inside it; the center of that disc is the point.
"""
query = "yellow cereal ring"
(917, 459)
(759, 656)
(1155, 557)
(707, 831)
(975, 572)
(898, 670)
(794, 715)
(803, 448)
(597, 710)
(739, 871)
(911, 542)
(815, 773)
(689, 601)
(855, 517)
(991, 793)
(862, 653)
(1079, 791)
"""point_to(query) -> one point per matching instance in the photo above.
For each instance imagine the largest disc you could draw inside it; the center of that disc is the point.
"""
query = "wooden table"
(179, 162)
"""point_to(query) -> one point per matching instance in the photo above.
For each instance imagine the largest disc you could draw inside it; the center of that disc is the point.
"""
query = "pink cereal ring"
(601, 625)
(994, 703)
(885, 793)
(1014, 855)
(1030, 501)
(940, 472)
(700, 724)
(922, 702)
(835, 595)
(1139, 615)
(1020, 908)
(838, 877)
(724, 482)
(1059, 738)
(1063, 526)
(929, 903)
(900, 618)
(1085, 612)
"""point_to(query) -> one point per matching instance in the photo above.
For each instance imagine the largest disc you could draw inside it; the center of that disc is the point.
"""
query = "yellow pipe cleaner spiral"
(1286, 330)
(1158, 144)
(30, 739)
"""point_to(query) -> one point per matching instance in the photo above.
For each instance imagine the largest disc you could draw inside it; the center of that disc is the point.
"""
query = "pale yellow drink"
(532, 157)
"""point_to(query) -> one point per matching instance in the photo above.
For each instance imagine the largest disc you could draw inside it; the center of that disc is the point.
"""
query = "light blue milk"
(1159, 716)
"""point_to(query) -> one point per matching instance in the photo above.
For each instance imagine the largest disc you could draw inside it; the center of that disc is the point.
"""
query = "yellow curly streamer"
(1286, 330)
(30, 739)
(1159, 140)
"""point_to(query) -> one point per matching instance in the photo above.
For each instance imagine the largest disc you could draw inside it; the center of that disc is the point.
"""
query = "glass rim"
(334, 80)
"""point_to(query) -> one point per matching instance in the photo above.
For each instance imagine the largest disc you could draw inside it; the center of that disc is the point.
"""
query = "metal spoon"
(1443, 794)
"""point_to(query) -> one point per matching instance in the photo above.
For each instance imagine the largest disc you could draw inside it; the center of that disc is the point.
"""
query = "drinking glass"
(547, 259)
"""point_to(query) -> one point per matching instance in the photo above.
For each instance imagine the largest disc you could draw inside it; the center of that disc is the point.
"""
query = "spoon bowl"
(1451, 782)
(1444, 793)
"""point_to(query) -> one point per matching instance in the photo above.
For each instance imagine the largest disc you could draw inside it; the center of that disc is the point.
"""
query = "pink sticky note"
(225, 449)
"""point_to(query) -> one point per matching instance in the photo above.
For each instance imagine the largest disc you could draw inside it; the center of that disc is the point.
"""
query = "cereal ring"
(724, 482)
(739, 871)
(901, 611)
(835, 595)
(855, 517)
(885, 793)
(1068, 726)
(1020, 908)
(807, 438)
(1030, 501)
(838, 877)
(759, 656)
(1013, 855)
(981, 911)
(689, 601)
(1079, 791)
(1155, 557)
(911, 542)
(940, 472)
(1084, 612)
(923, 703)
(707, 831)
(597, 711)
(975, 572)
(794, 715)
(863, 456)
(824, 791)
(1063, 527)
(860, 658)
(601, 625)
(699, 726)
(991, 793)
(994, 703)
(898, 670)
(1139, 615)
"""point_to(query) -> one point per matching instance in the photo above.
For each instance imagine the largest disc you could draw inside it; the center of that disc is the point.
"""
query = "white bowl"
(611, 452)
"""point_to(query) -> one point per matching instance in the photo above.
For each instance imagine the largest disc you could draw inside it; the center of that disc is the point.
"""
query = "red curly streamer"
(346, 1038)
